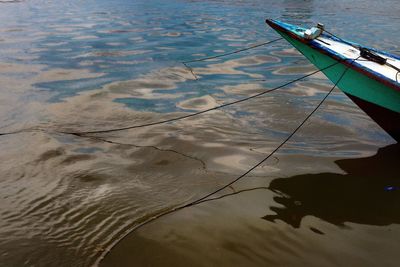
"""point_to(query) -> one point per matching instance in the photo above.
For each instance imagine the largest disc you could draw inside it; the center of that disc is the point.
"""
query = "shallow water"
(325, 219)
(81, 66)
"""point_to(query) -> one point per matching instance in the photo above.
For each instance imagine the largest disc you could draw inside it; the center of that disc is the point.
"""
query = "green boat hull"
(379, 101)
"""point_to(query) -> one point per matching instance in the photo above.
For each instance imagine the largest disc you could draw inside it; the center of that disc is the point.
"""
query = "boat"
(369, 77)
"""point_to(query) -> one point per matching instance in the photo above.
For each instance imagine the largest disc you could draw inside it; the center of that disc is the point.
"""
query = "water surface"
(82, 66)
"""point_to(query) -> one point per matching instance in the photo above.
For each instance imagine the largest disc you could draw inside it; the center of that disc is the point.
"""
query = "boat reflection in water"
(368, 194)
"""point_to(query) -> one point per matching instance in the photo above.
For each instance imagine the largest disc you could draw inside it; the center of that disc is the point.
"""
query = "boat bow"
(372, 79)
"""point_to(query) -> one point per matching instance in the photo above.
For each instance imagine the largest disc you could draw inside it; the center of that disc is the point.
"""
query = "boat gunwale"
(336, 56)
(334, 38)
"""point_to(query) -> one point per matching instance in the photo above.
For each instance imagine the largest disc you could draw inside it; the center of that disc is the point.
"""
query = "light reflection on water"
(102, 64)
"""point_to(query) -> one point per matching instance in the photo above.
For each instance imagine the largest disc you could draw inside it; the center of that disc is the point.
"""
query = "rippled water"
(325, 199)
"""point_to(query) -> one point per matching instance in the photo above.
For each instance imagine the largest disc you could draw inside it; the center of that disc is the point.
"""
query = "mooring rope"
(185, 63)
(231, 53)
(175, 118)
(32, 129)
(359, 48)
(205, 197)
(199, 112)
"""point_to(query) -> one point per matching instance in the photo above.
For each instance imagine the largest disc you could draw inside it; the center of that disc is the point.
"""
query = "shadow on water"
(368, 194)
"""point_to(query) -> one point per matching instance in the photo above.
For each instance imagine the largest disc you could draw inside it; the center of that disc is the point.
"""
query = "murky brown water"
(324, 219)
(328, 197)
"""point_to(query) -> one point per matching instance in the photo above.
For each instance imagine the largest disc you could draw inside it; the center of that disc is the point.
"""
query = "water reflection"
(298, 10)
(89, 65)
(368, 194)
(10, 1)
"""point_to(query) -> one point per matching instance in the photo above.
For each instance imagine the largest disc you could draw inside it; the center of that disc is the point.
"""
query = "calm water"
(330, 196)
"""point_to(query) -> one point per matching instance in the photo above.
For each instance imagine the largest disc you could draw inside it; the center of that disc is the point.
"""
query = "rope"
(191, 71)
(205, 197)
(279, 146)
(396, 69)
(341, 39)
(20, 131)
(231, 53)
(358, 47)
(120, 129)
(200, 112)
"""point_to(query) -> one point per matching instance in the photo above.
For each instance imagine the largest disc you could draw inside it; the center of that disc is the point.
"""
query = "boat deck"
(346, 50)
